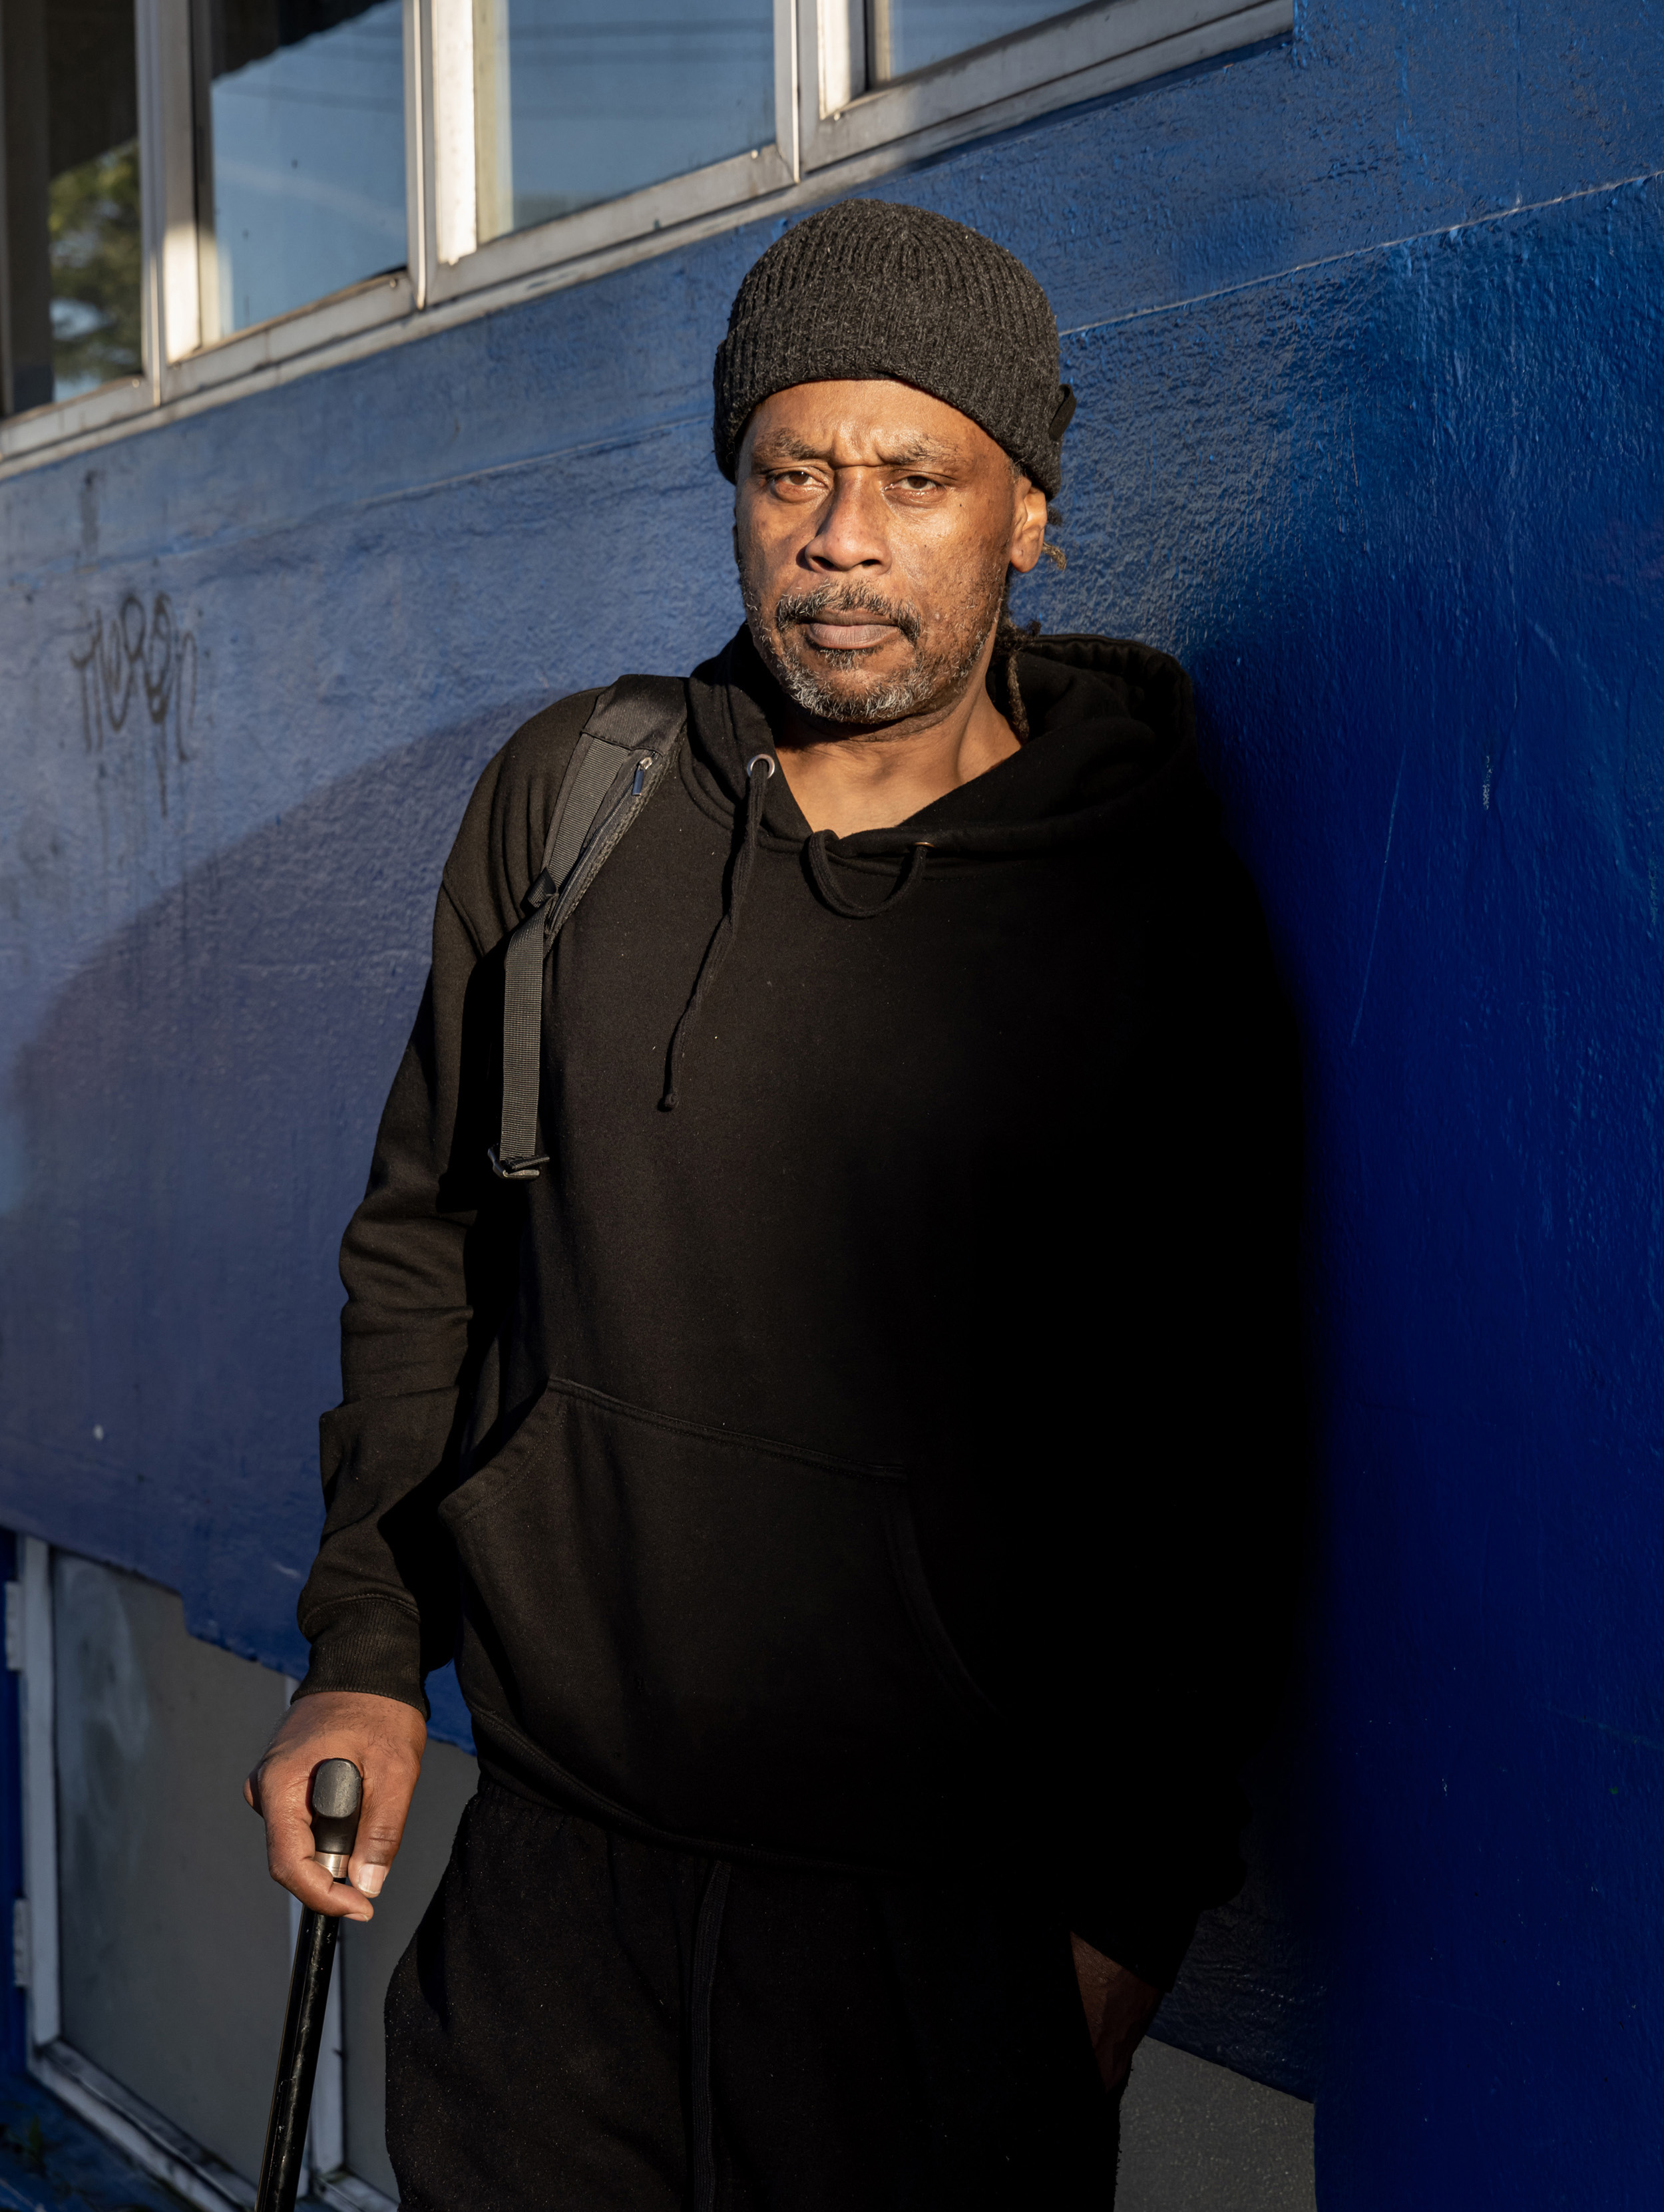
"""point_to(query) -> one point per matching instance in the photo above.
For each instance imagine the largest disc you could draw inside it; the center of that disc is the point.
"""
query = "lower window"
(155, 1947)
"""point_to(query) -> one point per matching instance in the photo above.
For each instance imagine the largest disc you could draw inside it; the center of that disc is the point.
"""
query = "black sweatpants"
(584, 2023)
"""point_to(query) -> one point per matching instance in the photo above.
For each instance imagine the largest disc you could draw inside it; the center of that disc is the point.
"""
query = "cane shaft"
(297, 2063)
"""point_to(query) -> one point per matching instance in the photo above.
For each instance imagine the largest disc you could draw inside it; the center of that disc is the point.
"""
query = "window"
(905, 35)
(562, 127)
(882, 70)
(198, 191)
(143, 1873)
(73, 259)
(576, 106)
(300, 114)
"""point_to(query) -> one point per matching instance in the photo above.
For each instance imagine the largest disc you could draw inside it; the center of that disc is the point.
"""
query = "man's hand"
(1118, 2008)
(384, 1740)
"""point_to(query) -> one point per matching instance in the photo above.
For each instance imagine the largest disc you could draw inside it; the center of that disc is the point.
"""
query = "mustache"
(798, 607)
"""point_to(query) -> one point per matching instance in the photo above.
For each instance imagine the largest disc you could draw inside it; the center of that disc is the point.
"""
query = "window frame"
(188, 361)
(829, 136)
(1090, 51)
(730, 187)
(143, 2135)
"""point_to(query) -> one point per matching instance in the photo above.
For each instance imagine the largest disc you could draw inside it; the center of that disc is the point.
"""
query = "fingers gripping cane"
(338, 1790)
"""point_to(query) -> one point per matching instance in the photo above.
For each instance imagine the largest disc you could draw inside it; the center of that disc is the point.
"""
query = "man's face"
(874, 527)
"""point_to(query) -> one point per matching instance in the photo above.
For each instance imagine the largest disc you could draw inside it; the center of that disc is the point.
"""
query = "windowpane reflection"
(306, 152)
(904, 35)
(72, 259)
(575, 104)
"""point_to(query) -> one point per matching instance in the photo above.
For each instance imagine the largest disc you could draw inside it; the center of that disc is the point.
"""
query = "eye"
(798, 479)
(919, 483)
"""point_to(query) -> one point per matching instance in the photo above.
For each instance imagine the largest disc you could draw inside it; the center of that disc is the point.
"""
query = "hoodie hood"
(1111, 743)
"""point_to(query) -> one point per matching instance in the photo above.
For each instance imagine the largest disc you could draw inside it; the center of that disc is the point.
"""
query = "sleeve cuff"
(370, 1646)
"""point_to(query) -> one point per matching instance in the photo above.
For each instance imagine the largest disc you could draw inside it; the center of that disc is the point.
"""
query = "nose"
(850, 533)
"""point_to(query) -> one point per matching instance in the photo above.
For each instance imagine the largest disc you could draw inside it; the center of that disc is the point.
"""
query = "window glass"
(302, 171)
(575, 106)
(73, 248)
(904, 35)
(175, 1991)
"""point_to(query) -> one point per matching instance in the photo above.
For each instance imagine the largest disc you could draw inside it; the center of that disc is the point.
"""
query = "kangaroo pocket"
(729, 1639)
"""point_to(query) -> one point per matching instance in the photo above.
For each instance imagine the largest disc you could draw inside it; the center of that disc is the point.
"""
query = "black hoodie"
(888, 1457)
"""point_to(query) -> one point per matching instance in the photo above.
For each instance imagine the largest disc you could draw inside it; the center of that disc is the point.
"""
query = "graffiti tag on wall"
(141, 667)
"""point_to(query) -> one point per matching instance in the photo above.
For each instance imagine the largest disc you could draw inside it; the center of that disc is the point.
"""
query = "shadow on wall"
(1402, 519)
(194, 1122)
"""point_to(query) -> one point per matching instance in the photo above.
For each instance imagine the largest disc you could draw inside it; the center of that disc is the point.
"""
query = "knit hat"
(871, 289)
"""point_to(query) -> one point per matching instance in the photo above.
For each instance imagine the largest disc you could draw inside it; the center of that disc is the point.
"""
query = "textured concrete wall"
(1366, 329)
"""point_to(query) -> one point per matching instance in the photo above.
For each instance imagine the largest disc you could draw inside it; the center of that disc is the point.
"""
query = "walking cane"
(338, 1790)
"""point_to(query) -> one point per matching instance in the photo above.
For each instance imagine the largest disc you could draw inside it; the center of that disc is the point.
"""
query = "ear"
(1028, 525)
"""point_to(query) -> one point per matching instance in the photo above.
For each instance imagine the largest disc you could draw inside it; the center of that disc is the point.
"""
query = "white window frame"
(141, 2133)
(1079, 56)
(831, 133)
(732, 188)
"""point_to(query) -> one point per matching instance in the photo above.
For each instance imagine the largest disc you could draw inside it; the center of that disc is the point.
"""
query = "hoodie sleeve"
(428, 1261)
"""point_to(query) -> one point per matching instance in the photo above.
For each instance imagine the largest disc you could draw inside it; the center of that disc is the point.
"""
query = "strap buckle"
(541, 890)
(523, 1168)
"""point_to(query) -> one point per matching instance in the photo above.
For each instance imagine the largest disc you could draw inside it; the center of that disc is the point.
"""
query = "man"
(854, 1473)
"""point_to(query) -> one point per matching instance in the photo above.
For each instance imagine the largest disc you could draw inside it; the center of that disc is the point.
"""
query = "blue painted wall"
(1365, 328)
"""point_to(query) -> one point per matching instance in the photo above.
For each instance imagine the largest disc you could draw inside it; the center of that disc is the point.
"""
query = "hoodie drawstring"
(722, 937)
(821, 869)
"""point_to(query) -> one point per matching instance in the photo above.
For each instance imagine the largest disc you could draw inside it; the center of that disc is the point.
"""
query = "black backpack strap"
(619, 761)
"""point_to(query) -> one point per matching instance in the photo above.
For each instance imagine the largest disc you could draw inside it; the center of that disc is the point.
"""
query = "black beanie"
(870, 289)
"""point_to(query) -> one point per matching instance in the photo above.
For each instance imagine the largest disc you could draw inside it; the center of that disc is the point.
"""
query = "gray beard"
(935, 679)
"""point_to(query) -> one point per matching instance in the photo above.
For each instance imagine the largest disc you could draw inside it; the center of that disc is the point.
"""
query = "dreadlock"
(1010, 639)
